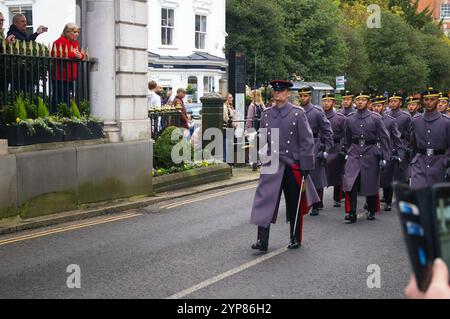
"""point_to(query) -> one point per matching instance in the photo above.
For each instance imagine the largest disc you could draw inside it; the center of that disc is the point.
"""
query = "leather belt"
(363, 142)
(430, 152)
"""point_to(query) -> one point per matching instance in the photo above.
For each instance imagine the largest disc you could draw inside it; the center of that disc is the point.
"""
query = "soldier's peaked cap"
(347, 94)
(443, 97)
(379, 99)
(430, 92)
(305, 90)
(412, 99)
(396, 96)
(281, 85)
(363, 94)
(328, 96)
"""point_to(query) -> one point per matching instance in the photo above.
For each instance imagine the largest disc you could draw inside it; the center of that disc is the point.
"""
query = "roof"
(195, 57)
(317, 86)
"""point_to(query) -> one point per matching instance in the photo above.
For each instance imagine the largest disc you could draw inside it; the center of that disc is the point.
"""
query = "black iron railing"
(33, 70)
(162, 119)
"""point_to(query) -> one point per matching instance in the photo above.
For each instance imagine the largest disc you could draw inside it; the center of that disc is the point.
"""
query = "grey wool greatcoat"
(335, 165)
(429, 131)
(347, 111)
(295, 146)
(387, 177)
(402, 172)
(362, 157)
(323, 134)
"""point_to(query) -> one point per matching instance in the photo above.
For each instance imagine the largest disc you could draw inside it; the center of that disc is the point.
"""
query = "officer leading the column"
(294, 149)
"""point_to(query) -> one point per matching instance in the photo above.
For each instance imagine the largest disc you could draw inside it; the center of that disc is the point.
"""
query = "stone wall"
(37, 183)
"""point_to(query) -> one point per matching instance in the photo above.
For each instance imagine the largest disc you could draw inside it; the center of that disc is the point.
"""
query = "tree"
(410, 12)
(257, 28)
(316, 48)
(395, 55)
(357, 68)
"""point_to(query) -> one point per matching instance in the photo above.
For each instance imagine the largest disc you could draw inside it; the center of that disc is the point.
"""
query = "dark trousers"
(319, 204)
(351, 199)
(337, 194)
(388, 193)
(291, 190)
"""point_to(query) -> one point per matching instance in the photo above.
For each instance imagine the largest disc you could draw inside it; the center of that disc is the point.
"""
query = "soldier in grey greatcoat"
(287, 156)
(367, 149)
(336, 157)
(397, 149)
(430, 141)
(323, 137)
(401, 172)
(347, 103)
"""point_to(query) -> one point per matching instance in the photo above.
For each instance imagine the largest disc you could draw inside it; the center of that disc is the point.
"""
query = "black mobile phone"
(441, 201)
(417, 233)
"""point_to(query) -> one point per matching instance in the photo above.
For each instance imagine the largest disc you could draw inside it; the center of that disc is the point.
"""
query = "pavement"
(241, 175)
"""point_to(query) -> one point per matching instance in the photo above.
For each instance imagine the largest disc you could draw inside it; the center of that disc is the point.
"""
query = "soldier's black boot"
(314, 212)
(387, 208)
(351, 218)
(262, 243)
(371, 216)
(295, 242)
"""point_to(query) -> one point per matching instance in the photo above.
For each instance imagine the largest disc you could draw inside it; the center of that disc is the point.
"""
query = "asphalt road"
(201, 249)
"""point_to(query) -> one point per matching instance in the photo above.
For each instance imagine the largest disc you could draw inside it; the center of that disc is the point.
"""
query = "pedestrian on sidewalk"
(295, 158)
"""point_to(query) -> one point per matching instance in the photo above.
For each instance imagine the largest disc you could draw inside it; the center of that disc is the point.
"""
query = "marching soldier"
(430, 140)
(336, 157)
(347, 103)
(368, 146)
(323, 137)
(413, 105)
(401, 172)
(396, 146)
(296, 158)
(443, 103)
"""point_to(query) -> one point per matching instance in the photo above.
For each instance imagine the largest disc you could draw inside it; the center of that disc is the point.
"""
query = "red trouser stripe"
(348, 205)
(378, 208)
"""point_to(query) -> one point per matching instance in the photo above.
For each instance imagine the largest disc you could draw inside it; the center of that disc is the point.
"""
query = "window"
(200, 32)
(167, 26)
(208, 84)
(27, 11)
(445, 10)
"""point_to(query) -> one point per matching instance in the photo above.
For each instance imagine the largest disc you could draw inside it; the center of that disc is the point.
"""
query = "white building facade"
(54, 14)
(186, 44)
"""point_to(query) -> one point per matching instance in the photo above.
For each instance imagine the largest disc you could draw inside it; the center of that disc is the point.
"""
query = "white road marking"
(227, 274)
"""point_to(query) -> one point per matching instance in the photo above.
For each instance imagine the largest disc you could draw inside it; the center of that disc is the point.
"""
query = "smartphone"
(441, 201)
(417, 232)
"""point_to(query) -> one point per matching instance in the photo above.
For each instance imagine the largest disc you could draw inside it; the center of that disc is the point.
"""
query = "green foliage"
(394, 51)
(190, 90)
(75, 110)
(31, 108)
(20, 109)
(163, 149)
(256, 28)
(317, 49)
(63, 110)
(42, 108)
(85, 108)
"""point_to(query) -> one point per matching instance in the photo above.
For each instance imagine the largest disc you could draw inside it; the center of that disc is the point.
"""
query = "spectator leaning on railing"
(8, 39)
(19, 29)
(66, 72)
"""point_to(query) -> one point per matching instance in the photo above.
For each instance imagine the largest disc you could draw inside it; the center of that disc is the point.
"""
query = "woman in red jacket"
(66, 72)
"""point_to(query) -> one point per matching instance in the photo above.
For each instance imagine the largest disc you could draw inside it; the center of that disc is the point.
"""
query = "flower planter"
(96, 129)
(17, 135)
(76, 132)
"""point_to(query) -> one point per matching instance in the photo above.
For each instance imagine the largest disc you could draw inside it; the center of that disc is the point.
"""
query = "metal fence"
(160, 120)
(35, 70)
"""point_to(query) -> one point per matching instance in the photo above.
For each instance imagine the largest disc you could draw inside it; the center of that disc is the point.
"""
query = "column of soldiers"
(357, 150)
